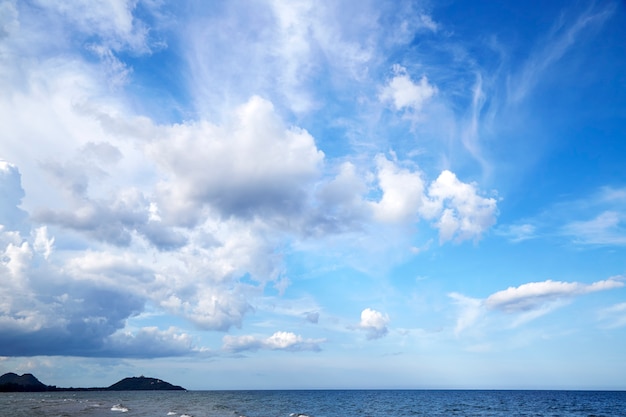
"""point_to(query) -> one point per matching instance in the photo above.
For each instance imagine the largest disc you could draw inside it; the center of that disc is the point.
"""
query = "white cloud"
(526, 302)
(278, 341)
(254, 166)
(518, 232)
(403, 93)
(278, 50)
(470, 311)
(457, 209)
(464, 214)
(607, 228)
(9, 21)
(532, 295)
(341, 201)
(113, 21)
(149, 342)
(110, 211)
(614, 316)
(561, 39)
(402, 192)
(374, 323)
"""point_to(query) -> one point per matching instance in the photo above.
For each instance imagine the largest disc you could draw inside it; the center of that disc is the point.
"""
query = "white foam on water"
(185, 415)
(171, 413)
(120, 408)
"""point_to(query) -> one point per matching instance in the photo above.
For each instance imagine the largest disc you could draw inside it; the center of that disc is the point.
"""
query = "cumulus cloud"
(340, 202)
(464, 213)
(254, 166)
(458, 210)
(149, 342)
(278, 341)
(403, 93)
(402, 192)
(374, 323)
(110, 211)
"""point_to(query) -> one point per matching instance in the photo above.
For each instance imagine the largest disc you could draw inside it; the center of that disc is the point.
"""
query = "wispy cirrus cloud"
(517, 232)
(607, 228)
(526, 302)
(613, 316)
(564, 35)
(598, 219)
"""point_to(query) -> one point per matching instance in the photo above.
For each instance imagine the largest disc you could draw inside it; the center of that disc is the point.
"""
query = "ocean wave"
(120, 408)
(298, 415)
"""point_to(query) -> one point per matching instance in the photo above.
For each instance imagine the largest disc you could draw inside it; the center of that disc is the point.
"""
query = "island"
(142, 383)
(11, 382)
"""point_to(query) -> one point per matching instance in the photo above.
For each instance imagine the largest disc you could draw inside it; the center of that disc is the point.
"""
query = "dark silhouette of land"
(12, 382)
(142, 383)
(16, 383)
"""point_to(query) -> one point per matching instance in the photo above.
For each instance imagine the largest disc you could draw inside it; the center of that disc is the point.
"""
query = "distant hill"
(28, 383)
(143, 383)
(14, 382)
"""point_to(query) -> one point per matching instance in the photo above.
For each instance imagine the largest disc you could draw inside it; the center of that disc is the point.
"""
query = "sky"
(314, 194)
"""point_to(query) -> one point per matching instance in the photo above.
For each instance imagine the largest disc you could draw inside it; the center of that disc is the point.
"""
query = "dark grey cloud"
(78, 320)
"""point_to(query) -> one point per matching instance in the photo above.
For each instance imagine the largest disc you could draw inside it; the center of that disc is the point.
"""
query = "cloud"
(403, 93)
(402, 192)
(254, 166)
(561, 39)
(457, 209)
(114, 22)
(111, 210)
(518, 232)
(533, 295)
(596, 219)
(614, 316)
(9, 17)
(470, 311)
(374, 323)
(278, 341)
(607, 228)
(149, 342)
(526, 302)
(56, 323)
(12, 217)
(312, 317)
(464, 213)
(340, 202)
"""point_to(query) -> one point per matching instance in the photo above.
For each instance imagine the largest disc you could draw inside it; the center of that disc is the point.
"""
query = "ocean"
(322, 403)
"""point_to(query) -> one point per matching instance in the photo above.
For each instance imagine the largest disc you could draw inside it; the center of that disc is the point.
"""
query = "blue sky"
(269, 194)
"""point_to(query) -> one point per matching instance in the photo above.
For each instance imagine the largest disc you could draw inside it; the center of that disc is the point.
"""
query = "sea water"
(374, 403)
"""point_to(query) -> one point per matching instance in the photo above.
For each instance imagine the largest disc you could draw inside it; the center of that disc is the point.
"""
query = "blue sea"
(375, 403)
